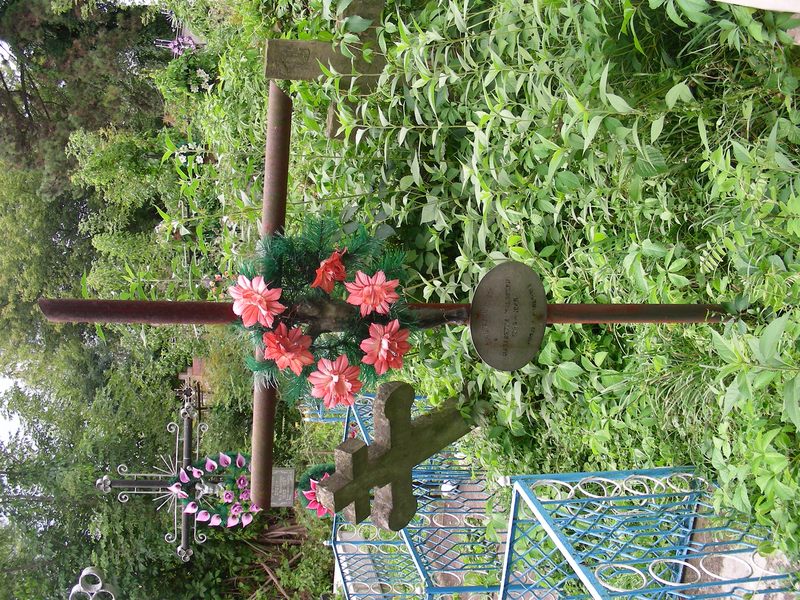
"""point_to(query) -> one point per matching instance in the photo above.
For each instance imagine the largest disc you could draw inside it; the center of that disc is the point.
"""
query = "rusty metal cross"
(400, 443)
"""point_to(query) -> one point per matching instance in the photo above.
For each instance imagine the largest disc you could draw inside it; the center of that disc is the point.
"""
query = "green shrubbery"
(627, 153)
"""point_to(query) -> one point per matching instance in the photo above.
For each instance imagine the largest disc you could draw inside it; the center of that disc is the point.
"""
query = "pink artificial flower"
(336, 382)
(255, 508)
(255, 302)
(313, 501)
(232, 521)
(215, 520)
(211, 466)
(236, 509)
(175, 488)
(385, 346)
(244, 496)
(288, 349)
(224, 460)
(372, 293)
(203, 516)
(240, 461)
(183, 476)
(227, 496)
(196, 473)
(242, 482)
(330, 270)
(191, 508)
(247, 518)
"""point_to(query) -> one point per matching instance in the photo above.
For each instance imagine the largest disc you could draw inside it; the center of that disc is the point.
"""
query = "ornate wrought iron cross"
(399, 444)
(156, 483)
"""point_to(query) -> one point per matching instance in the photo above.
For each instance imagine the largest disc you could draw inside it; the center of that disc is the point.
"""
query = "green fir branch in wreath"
(325, 310)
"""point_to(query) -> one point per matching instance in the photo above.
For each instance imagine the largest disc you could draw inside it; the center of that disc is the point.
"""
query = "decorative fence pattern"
(630, 534)
(648, 534)
(443, 553)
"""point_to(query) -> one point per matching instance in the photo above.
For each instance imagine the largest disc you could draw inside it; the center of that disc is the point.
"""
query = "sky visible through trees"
(8, 423)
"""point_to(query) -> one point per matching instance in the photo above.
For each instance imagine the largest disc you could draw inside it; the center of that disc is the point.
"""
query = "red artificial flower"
(288, 349)
(313, 501)
(336, 382)
(372, 293)
(330, 270)
(385, 346)
(255, 301)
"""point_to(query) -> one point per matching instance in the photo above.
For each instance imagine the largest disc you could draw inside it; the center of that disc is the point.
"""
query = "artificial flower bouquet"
(325, 312)
(217, 492)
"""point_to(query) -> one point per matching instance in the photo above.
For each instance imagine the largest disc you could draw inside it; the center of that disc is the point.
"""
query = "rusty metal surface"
(70, 310)
(635, 313)
(509, 313)
(273, 218)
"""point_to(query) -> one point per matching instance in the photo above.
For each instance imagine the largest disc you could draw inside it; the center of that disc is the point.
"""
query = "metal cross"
(399, 445)
(156, 483)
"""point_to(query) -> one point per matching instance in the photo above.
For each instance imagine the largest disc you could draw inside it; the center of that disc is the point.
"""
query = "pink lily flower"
(313, 501)
(215, 520)
(175, 488)
(211, 466)
(240, 461)
(191, 508)
(232, 521)
(224, 460)
(203, 516)
(247, 518)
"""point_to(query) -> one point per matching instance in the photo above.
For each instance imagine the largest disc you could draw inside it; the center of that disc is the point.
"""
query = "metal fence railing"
(647, 534)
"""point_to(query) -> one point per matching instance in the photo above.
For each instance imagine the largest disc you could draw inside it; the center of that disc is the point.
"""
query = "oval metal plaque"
(508, 316)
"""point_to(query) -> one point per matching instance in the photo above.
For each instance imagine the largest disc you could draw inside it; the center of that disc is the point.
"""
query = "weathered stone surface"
(300, 59)
(399, 444)
(282, 487)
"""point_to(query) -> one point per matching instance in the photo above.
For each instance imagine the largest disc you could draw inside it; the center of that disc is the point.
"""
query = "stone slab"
(282, 488)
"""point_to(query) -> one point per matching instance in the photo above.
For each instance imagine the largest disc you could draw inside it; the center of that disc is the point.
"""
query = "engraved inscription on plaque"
(508, 316)
(295, 58)
(282, 487)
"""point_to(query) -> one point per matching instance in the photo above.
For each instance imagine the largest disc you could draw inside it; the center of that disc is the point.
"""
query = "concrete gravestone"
(400, 443)
(282, 487)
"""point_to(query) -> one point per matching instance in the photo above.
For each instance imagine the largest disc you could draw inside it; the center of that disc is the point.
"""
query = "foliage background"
(627, 151)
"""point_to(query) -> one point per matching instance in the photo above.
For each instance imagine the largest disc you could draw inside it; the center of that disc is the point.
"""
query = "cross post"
(400, 443)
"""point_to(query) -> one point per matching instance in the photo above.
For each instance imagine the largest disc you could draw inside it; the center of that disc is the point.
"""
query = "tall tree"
(72, 70)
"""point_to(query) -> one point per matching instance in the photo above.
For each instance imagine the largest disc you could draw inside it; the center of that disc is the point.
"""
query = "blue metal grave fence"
(314, 411)
(631, 534)
(443, 553)
(648, 534)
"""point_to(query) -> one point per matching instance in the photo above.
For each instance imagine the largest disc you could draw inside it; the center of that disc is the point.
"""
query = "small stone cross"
(399, 445)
